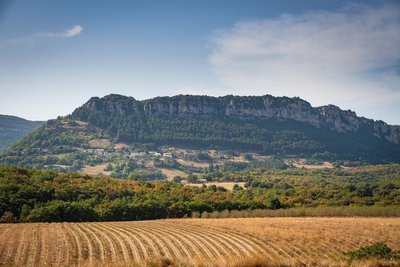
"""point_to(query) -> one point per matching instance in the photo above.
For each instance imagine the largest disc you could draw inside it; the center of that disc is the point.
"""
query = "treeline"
(32, 195)
(45, 196)
(361, 186)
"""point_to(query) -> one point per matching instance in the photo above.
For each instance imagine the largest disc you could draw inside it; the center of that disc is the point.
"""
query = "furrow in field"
(97, 244)
(22, 254)
(245, 243)
(324, 249)
(108, 246)
(150, 249)
(209, 251)
(240, 245)
(276, 248)
(291, 247)
(48, 248)
(36, 246)
(74, 242)
(165, 241)
(5, 243)
(196, 244)
(138, 250)
(173, 241)
(155, 240)
(232, 244)
(187, 248)
(120, 240)
(88, 252)
(64, 246)
(207, 248)
(219, 250)
(304, 253)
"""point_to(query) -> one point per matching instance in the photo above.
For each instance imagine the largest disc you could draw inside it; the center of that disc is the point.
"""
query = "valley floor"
(198, 242)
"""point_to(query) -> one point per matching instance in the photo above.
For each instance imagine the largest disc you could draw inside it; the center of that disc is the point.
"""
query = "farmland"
(223, 242)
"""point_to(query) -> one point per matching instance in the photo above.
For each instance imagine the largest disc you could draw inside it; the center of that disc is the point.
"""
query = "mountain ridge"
(12, 128)
(266, 107)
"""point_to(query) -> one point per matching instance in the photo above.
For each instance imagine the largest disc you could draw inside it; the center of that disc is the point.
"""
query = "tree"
(8, 217)
(275, 204)
(177, 179)
(236, 187)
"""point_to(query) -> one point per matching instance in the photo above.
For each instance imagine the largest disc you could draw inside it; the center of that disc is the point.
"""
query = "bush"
(378, 251)
(8, 217)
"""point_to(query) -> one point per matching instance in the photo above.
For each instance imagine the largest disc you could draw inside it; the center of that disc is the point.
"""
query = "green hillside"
(13, 128)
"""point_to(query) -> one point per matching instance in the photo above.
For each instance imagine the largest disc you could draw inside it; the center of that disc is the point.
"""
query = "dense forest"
(33, 195)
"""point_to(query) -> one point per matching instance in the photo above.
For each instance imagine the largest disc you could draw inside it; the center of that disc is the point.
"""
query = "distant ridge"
(13, 128)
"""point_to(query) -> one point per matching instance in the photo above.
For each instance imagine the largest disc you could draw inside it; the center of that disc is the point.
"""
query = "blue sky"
(55, 55)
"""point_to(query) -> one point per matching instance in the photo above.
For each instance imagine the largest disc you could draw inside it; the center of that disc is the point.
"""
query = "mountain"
(265, 124)
(280, 126)
(14, 128)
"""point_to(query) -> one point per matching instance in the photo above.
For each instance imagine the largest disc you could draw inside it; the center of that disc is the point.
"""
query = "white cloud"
(75, 30)
(350, 58)
(41, 36)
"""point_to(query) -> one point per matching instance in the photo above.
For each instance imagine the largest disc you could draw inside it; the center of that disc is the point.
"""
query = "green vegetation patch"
(377, 251)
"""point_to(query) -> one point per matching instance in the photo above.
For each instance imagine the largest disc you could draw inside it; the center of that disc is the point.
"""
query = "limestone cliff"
(245, 107)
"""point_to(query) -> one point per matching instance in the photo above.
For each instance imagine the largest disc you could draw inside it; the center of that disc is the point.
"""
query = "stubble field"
(208, 242)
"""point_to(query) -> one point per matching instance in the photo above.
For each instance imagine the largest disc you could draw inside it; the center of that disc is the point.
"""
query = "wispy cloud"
(75, 30)
(41, 36)
(350, 58)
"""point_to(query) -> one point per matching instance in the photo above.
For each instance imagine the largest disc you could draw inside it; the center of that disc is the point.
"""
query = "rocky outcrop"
(244, 107)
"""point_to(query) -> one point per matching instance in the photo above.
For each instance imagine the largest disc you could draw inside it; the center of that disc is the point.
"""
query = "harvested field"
(95, 170)
(171, 173)
(309, 240)
(99, 143)
(304, 164)
(193, 163)
(210, 242)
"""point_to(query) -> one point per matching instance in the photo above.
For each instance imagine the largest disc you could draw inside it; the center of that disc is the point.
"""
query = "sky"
(55, 55)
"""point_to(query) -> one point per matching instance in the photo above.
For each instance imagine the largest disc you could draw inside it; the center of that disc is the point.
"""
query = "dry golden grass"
(303, 164)
(171, 173)
(99, 143)
(121, 145)
(196, 242)
(95, 170)
(193, 163)
(312, 239)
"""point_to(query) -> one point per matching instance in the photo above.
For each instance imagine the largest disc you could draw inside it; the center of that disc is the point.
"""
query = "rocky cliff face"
(245, 107)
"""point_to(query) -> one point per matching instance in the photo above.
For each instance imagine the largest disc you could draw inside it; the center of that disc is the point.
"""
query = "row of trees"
(32, 195)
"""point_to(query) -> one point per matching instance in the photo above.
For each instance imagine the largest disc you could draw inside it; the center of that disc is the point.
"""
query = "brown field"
(99, 143)
(193, 163)
(188, 242)
(171, 173)
(95, 170)
(121, 145)
(303, 164)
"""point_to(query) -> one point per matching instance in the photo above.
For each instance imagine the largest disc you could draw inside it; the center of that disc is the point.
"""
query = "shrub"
(378, 251)
(8, 217)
